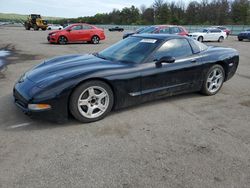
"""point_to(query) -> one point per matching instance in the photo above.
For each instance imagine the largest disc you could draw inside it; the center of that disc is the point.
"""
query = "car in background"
(244, 35)
(54, 27)
(209, 34)
(225, 29)
(140, 68)
(165, 29)
(138, 31)
(120, 29)
(77, 33)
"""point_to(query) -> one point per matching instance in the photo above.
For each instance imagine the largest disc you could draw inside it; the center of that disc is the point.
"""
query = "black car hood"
(69, 66)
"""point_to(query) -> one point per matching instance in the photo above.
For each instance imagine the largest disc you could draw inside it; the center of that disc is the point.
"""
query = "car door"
(215, 34)
(208, 36)
(182, 75)
(75, 33)
(87, 32)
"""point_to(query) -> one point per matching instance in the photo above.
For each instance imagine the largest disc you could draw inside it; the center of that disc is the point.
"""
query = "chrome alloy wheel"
(93, 102)
(95, 40)
(215, 80)
(62, 40)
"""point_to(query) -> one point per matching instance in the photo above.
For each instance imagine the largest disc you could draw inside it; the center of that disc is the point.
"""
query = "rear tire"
(95, 39)
(91, 101)
(213, 80)
(240, 39)
(62, 40)
(221, 38)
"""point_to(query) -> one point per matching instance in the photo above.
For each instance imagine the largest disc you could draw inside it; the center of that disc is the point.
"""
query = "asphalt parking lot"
(189, 141)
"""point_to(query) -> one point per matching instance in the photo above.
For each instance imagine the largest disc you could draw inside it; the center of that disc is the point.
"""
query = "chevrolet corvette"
(137, 69)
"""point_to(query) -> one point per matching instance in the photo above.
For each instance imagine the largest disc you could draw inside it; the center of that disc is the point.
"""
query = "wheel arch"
(224, 66)
(93, 79)
(62, 36)
(95, 35)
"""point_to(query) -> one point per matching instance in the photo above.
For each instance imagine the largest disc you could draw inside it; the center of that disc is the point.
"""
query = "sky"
(67, 8)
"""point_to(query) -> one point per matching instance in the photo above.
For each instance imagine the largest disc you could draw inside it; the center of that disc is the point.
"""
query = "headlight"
(39, 107)
(54, 34)
(195, 35)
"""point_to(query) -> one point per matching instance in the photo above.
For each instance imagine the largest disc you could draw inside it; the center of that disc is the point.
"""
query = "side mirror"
(165, 59)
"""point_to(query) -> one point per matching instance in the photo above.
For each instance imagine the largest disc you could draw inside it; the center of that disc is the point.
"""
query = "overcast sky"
(67, 8)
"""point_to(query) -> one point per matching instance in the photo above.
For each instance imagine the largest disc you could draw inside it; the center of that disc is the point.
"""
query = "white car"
(209, 34)
(54, 27)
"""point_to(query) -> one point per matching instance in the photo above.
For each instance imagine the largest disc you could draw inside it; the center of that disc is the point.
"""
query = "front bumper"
(51, 39)
(58, 112)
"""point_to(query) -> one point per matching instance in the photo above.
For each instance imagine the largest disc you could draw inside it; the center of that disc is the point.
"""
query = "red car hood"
(56, 31)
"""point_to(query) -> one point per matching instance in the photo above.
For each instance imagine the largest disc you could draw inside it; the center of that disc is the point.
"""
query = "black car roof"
(159, 36)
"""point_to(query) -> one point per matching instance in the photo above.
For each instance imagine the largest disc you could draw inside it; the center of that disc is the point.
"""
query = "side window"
(215, 31)
(180, 29)
(164, 30)
(176, 48)
(86, 27)
(174, 30)
(195, 47)
(77, 27)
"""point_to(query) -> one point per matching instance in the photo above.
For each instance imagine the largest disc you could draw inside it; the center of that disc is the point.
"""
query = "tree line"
(208, 12)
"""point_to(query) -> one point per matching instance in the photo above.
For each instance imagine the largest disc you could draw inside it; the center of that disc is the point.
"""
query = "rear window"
(197, 46)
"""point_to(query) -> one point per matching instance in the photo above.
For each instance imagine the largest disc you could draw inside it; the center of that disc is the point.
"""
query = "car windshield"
(131, 50)
(140, 30)
(67, 27)
(148, 30)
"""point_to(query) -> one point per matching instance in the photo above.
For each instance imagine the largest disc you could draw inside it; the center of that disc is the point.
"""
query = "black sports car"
(244, 35)
(135, 70)
(116, 29)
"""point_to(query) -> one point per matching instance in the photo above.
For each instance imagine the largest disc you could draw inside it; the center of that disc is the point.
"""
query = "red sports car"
(77, 33)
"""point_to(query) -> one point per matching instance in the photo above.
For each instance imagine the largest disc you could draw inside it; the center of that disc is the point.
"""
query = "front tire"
(91, 101)
(36, 28)
(213, 80)
(200, 39)
(62, 40)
